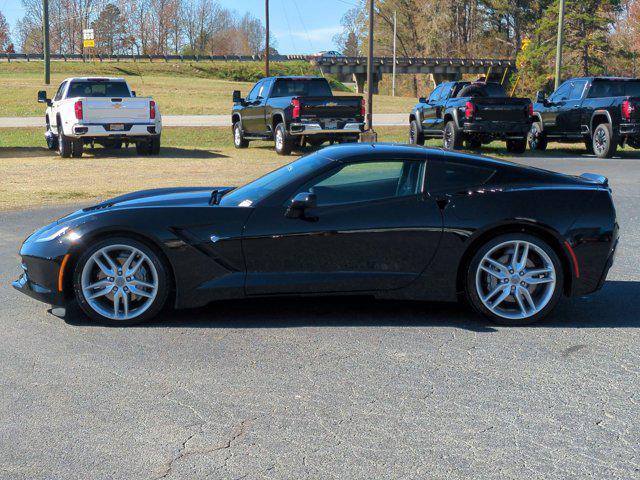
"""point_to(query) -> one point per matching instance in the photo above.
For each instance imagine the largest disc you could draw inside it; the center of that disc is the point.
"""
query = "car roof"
(295, 77)
(84, 79)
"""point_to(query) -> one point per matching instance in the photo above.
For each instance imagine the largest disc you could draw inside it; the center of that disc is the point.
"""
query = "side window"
(435, 95)
(576, 90)
(59, 92)
(361, 182)
(452, 177)
(562, 93)
(253, 94)
(266, 86)
(446, 90)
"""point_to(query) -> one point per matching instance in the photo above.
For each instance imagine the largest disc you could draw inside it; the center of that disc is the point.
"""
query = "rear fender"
(597, 116)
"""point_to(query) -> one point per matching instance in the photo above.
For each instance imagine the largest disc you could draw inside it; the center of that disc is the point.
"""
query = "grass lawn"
(34, 176)
(179, 88)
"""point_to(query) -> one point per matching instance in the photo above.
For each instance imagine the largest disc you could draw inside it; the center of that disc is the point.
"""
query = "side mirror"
(422, 100)
(540, 97)
(300, 203)
(236, 96)
(133, 93)
(42, 97)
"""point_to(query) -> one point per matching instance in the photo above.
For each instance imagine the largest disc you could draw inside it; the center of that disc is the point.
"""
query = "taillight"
(627, 109)
(77, 107)
(363, 108)
(469, 110)
(152, 110)
(296, 107)
(530, 110)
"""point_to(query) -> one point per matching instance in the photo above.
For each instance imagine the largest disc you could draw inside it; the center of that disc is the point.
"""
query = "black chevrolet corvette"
(391, 221)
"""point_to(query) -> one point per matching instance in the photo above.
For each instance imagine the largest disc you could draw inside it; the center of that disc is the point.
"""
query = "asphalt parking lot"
(328, 388)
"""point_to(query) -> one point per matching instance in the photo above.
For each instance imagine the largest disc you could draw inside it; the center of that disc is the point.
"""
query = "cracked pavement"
(327, 388)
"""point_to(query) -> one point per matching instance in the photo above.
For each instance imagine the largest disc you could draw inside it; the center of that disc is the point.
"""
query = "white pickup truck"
(103, 111)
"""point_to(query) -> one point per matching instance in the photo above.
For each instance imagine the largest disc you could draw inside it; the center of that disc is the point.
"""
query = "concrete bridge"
(440, 69)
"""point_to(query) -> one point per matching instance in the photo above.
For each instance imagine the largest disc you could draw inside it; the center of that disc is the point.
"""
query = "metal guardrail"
(321, 61)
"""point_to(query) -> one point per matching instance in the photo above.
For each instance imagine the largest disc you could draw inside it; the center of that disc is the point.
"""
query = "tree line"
(140, 27)
(600, 36)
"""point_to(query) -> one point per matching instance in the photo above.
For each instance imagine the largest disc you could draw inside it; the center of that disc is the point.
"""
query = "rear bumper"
(497, 129)
(349, 128)
(630, 129)
(96, 130)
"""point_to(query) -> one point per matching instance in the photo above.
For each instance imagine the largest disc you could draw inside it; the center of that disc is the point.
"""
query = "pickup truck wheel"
(284, 145)
(77, 148)
(537, 138)
(314, 142)
(64, 144)
(238, 137)
(473, 144)
(517, 146)
(142, 148)
(51, 138)
(154, 145)
(416, 137)
(604, 142)
(588, 145)
(452, 136)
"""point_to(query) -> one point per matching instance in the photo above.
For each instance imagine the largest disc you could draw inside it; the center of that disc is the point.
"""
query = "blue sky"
(300, 26)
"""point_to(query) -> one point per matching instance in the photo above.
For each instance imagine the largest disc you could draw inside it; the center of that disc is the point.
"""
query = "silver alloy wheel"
(236, 136)
(412, 134)
(448, 137)
(515, 279)
(120, 282)
(279, 139)
(600, 140)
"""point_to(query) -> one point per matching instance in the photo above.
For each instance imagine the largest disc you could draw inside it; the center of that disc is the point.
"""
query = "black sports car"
(392, 221)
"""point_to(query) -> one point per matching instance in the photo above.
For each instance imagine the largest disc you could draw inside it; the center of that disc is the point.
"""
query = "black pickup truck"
(293, 111)
(602, 112)
(471, 113)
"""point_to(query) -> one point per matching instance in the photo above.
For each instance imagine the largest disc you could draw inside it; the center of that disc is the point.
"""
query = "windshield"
(98, 88)
(301, 87)
(252, 193)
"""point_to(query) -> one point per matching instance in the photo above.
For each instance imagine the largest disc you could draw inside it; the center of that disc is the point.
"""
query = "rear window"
(303, 87)
(98, 89)
(452, 177)
(614, 88)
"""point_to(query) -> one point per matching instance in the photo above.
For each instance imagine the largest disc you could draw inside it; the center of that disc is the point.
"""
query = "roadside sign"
(89, 43)
(88, 39)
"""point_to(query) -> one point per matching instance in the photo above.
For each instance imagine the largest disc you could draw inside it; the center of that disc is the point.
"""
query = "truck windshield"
(98, 88)
(301, 87)
(252, 193)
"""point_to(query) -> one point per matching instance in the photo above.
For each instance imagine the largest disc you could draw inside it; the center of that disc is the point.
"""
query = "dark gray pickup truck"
(293, 111)
(471, 113)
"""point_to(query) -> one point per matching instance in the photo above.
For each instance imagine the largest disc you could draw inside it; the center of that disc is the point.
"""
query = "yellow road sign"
(89, 43)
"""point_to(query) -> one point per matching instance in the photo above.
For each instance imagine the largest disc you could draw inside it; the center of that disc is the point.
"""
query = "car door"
(569, 115)
(55, 105)
(373, 230)
(554, 105)
(430, 111)
(438, 123)
(253, 111)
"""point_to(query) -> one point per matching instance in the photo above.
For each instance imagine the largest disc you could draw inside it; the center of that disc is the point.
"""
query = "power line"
(303, 25)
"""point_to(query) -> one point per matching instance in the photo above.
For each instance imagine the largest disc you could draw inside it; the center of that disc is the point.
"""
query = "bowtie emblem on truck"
(331, 104)
(117, 105)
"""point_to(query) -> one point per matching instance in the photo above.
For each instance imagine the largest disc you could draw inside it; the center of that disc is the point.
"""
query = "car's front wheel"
(120, 281)
(514, 279)
(238, 136)
(537, 138)
(416, 137)
(517, 146)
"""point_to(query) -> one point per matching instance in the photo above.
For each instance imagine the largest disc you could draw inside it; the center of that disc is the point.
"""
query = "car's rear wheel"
(452, 136)
(120, 281)
(416, 137)
(537, 138)
(282, 139)
(64, 144)
(517, 145)
(473, 144)
(605, 143)
(514, 279)
(238, 136)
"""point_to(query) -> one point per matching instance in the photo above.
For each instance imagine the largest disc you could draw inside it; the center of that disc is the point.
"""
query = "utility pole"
(395, 35)
(266, 55)
(45, 38)
(372, 135)
(559, 44)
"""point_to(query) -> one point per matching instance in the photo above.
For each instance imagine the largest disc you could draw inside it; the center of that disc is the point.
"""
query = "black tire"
(588, 145)
(537, 138)
(517, 146)
(154, 145)
(142, 148)
(452, 138)
(604, 142)
(77, 148)
(347, 139)
(116, 145)
(65, 144)
(473, 144)
(282, 139)
(238, 136)
(164, 282)
(473, 297)
(50, 137)
(315, 142)
(416, 136)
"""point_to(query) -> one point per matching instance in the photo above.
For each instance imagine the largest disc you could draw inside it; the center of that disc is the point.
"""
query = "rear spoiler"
(595, 178)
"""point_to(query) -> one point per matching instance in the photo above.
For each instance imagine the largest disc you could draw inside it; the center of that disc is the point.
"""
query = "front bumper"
(42, 293)
(97, 130)
(349, 128)
(497, 128)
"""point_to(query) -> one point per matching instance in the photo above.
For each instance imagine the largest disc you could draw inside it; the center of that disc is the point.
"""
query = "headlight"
(71, 235)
